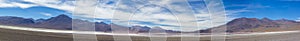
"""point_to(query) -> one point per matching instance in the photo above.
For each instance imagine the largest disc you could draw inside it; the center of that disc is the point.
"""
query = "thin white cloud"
(5, 3)
(57, 4)
(247, 8)
(46, 14)
(298, 20)
(168, 14)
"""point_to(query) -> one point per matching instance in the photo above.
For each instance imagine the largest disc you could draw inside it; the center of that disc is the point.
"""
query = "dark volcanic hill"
(8, 20)
(59, 22)
(259, 25)
(62, 22)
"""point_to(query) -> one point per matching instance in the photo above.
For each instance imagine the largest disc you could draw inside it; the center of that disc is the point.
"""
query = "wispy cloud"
(239, 9)
(6, 3)
(46, 14)
(298, 20)
(168, 14)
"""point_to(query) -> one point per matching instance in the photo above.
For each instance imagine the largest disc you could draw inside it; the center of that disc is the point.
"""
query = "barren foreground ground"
(20, 35)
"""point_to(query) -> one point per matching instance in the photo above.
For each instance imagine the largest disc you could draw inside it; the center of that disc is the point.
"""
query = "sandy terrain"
(21, 35)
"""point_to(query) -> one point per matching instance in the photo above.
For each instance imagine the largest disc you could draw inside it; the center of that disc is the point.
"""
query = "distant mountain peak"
(266, 19)
(253, 24)
(101, 23)
(159, 28)
(283, 19)
(10, 20)
(243, 20)
(9, 17)
(62, 16)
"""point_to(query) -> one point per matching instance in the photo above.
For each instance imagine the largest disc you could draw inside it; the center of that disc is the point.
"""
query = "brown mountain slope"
(259, 25)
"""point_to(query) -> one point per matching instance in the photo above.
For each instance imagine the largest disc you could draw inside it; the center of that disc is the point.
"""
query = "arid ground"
(21, 35)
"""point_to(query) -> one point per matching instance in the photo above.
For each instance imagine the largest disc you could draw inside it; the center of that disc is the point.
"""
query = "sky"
(181, 15)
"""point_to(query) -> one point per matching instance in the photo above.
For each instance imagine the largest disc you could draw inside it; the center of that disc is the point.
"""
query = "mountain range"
(257, 25)
(64, 22)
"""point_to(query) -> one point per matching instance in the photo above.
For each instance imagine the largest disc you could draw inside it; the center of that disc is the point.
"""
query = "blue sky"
(274, 9)
(155, 13)
(33, 12)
